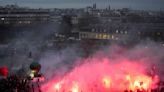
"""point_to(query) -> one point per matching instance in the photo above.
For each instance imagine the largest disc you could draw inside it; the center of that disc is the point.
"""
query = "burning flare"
(100, 75)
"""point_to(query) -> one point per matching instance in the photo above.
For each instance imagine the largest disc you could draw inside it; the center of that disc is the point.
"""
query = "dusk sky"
(115, 4)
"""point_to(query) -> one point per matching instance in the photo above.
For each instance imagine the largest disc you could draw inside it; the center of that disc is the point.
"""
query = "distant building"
(11, 15)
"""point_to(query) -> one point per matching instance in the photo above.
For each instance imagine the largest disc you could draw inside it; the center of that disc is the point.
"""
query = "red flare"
(4, 71)
(103, 76)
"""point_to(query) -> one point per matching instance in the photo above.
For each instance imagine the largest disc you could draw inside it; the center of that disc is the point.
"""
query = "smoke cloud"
(68, 65)
(114, 62)
(28, 40)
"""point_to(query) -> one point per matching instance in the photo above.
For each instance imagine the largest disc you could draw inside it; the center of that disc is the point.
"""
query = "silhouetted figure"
(162, 89)
(126, 90)
(130, 91)
(30, 55)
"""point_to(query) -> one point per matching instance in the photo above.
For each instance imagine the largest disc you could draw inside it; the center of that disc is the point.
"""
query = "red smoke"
(104, 75)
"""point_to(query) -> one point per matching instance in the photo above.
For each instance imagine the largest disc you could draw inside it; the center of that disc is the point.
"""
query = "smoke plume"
(114, 68)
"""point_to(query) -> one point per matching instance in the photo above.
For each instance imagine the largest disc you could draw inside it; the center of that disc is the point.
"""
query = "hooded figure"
(35, 68)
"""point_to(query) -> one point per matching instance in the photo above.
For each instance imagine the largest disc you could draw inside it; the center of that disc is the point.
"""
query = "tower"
(109, 7)
(94, 6)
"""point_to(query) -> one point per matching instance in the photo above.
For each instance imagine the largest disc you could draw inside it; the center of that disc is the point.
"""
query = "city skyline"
(115, 4)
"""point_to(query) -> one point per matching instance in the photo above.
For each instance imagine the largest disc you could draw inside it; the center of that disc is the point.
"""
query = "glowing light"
(2, 18)
(58, 85)
(106, 82)
(136, 84)
(75, 87)
(128, 77)
(139, 82)
(32, 74)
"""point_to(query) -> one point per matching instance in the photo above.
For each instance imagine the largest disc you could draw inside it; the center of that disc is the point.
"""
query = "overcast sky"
(134, 4)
